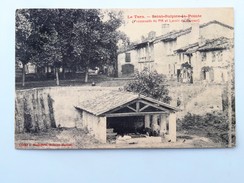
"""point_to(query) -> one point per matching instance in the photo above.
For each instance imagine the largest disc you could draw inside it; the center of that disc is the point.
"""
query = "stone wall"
(33, 111)
(95, 125)
(43, 108)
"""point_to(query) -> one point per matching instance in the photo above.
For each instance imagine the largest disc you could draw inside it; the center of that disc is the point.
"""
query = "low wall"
(49, 107)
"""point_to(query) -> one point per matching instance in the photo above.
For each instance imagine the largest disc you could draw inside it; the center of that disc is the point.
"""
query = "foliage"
(210, 125)
(87, 38)
(67, 38)
(23, 36)
(151, 84)
(99, 38)
(228, 103)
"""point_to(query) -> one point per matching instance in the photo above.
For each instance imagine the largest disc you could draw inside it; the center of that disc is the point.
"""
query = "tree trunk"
(86, 76)
(63, 72)
(57, 76)
(116, 69)
(23, 75)
(46, 72)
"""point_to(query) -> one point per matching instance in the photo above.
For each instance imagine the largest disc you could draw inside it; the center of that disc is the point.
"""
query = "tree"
(150, 84)
(87, 35)
(64, 25)
(67, 38)
(23, 30)
(228, 104)
(46, 30)
(96, 38)
(111, 37)
(51, 29)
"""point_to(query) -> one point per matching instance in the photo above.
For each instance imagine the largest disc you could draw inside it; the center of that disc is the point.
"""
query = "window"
(127, 57)
(142, 54)
(213, 56)
(170, 47)
(220, 56)
(204, 56)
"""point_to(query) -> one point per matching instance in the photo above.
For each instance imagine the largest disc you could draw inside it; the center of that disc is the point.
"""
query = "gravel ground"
(73, 138)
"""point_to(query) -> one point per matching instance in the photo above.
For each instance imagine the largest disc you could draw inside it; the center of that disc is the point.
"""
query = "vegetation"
(213, 126)
(151, 84)
(228, 103)
(67, 38)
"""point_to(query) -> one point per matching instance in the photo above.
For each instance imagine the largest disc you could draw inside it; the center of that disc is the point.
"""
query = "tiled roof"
(109, 101)
(216, 22)
(127, 48)
(208, 45)
(185, 48)
(176, 33)
(173, 35)
(216, 44)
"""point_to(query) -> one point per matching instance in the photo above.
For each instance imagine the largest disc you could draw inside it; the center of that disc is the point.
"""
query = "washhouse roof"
(115, 99)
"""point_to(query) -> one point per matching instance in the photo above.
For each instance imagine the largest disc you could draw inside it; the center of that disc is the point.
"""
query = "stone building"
(124, 113)
(199, 52)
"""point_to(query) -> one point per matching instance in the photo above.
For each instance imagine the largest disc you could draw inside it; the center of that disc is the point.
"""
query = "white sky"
(135, 30)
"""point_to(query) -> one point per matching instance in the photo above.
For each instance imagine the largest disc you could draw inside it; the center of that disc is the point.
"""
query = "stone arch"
(207, 73)
(185, 74)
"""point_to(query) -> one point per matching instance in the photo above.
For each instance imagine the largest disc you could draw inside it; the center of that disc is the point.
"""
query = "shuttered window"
(127, 57)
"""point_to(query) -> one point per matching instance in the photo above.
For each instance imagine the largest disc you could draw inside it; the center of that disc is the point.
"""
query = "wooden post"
(147, 121)
(137, 106)
(155, 119)
(163, 121)
(155, 124)
(172, 127)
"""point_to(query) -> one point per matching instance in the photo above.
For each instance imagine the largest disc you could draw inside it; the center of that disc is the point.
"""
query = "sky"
(134, 26)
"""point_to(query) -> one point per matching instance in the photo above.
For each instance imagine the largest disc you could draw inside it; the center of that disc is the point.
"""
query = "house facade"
(199, 52)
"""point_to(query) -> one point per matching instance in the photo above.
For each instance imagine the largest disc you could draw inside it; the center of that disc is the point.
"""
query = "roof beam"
(131, 108)
(122, 106)
(146, 106)
(137, 106)
(133, 114)
(137, 109)
(150, 104)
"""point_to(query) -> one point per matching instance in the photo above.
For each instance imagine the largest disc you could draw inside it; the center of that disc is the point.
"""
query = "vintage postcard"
(124, 78)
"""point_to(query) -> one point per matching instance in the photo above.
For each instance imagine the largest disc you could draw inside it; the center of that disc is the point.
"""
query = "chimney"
(151, 35)
(165, 28)
(202, 41)
(143, 38)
